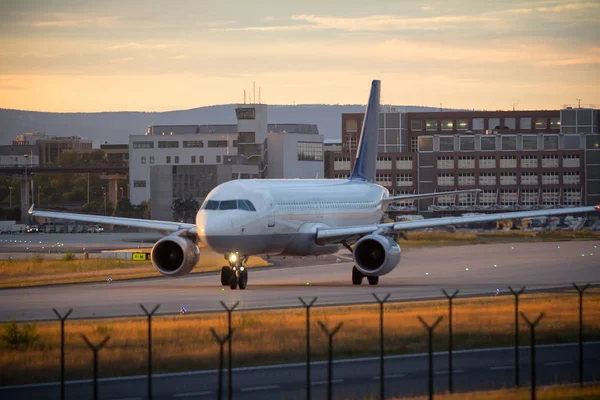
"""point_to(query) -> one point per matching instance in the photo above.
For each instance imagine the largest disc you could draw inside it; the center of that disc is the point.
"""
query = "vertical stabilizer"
(366, 154)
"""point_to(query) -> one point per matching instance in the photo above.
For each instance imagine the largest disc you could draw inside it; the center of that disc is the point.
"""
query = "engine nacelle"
(376, 255)
(175, 255)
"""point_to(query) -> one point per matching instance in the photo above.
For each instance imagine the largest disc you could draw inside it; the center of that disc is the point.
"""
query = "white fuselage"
(284, 215)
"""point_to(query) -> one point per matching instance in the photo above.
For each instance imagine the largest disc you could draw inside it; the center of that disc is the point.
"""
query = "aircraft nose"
(208, 224)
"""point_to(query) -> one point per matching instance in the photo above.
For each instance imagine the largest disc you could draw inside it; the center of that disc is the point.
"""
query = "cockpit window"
(211, 205)
(244, 205)
(228, 205)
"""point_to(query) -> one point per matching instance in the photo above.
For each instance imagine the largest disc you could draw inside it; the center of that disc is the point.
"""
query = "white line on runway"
(392, 376)
(257, 388)
(189, 394)
(502, 368)
(456, 371)
(549, 364)
(325, 382)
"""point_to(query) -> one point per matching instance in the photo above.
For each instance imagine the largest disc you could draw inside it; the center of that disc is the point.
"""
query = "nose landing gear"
(236, 274)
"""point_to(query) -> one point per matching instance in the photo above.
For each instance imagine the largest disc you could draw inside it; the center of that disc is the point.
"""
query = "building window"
(508, 162)
(168, 144)
(217, 143)
(530, 142)
(414, 145)
(311, 151)
(529, 197)
(510, 123)
(445, 162)
(246, 137)
(493, 124)
(550, 142)
(431, 125)
(571, 161)
(540, 123)
(478, 124)
(425, 143)
(508, 178)
(555, 123)
(341, 176)
(341, 164)
(550, 197)
(176, 159)
(384, 163)
(488, 143)
(571, 142)
(201, 159)
(571, 178)
(466, 162)
(447, 125)
(151, 159)
(218, 159)
(509, 143)
(572, 197)
(466, 179)
(416, 125)
(488, 197)
(447, 143)
(525, 123)
(193, 143)
(404, 180)
(168, 159)
(487, 162)
(508, 197)
(462, 124)
(143, 159)
(529, 178)
(351, 126)
(402, 163)
(445, 179)
(467, 143)
(383, 179)
(529, 162)
(487, 179)
(139, 184)
(143, 145)
(193, 159)
(550, 178)
(351, 144)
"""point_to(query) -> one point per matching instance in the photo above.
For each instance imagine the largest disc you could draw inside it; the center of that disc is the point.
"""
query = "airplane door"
(271, 216)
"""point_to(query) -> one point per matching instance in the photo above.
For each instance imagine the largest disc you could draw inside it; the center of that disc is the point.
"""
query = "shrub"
(38, 258)
(16, 337)
(69, 256)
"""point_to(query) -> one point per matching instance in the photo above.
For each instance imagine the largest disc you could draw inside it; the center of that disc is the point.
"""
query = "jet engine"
(376, 255)
(175, 255)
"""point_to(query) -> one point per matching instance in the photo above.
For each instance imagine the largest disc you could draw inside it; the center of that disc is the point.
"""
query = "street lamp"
(26, 181)
(121, 191)
(104, 195)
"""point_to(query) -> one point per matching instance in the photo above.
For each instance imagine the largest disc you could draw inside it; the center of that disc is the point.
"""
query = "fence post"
(381, 345)
(307, 306)
(430, 329)
(517, 294)
(450, 343)
(532, 326)
(581, 290)
(221, 341)
(149, 314)
(330, 334)
(62, 350)
(229, 334)
(95, 350)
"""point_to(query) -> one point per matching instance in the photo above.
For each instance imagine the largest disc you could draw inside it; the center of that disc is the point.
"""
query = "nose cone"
(213, 227)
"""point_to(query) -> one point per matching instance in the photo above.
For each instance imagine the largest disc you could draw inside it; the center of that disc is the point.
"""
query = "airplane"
(298, 217)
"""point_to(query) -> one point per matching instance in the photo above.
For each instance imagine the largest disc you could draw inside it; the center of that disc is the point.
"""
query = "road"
(422, 273)
(353, 379)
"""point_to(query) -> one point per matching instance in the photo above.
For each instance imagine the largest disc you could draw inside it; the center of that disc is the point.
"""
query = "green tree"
(184, 209)
(124, 208)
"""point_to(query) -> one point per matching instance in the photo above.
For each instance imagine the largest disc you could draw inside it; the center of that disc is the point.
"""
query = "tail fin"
(366, 155)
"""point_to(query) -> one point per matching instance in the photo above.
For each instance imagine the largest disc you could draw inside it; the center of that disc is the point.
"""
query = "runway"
(352, 378)
(422, 273)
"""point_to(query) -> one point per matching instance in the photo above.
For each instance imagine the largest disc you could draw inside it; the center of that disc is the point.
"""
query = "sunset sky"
(154, 55)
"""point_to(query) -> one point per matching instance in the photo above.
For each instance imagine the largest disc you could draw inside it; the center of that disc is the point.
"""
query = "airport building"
(520, 159)
(171, 161)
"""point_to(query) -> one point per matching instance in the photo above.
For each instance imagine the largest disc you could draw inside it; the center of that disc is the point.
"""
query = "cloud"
(122, 60)
(11, 87)
(59, 20)
(133, 45)
(181, 57)
(570, 7)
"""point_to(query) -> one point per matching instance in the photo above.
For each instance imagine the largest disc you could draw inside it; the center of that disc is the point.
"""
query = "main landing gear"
(357, 277)
(236, 274)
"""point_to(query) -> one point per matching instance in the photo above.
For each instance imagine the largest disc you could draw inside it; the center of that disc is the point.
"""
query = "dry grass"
(421, 239)
(569, 392)
(21, 273)
(184, 342)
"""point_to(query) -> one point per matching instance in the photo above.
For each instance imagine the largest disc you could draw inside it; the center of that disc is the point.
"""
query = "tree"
(184, 209)
(124, 208)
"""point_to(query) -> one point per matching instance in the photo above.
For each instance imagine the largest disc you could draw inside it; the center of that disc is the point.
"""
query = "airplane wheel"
(373, 280)
(243, 280)
(226, 273)
(357, 276)
(233, 282)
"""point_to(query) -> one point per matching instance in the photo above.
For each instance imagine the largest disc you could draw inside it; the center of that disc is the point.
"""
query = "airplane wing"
(406, 197)
(333, 235)
(162, 226)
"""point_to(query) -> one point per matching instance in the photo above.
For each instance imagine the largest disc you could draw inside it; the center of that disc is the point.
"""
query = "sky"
(155, 55)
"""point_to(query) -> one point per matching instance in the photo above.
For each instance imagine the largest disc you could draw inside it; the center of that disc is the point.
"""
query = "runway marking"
(445, 372)
(392, 376)
(189, 394)
(502, 368)
(257, 388)
(326, 382)
(549, 364)
(128, 398)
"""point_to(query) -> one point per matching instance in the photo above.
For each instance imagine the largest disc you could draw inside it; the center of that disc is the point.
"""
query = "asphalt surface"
(352, 379)
(422, 273)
